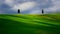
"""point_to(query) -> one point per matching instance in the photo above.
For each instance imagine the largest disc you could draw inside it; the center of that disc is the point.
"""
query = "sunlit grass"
(30, 24)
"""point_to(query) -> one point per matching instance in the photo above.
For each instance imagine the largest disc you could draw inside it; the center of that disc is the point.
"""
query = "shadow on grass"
(8, 26)
(54, 17)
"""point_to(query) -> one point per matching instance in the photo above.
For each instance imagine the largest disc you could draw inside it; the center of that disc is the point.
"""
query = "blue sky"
(29, 6)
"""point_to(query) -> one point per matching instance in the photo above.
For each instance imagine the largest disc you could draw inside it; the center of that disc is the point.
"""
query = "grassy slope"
(30, 24)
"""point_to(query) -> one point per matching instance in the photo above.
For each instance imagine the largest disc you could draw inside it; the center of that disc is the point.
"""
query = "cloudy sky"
(29, 6)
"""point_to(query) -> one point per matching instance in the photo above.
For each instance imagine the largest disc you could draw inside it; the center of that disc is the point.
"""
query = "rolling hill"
(30, 24)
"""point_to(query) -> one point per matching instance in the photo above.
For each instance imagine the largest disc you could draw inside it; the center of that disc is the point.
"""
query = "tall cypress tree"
(42, 11)
(18, 10)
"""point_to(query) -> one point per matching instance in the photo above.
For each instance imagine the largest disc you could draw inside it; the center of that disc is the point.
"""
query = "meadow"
(30, 24)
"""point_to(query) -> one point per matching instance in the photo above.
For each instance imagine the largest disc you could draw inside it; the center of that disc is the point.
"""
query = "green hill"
(30, 24)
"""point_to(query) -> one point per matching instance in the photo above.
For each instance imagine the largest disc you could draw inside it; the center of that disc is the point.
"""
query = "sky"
(29, 6)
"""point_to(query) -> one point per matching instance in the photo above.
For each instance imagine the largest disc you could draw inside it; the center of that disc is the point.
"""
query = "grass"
(30, 24)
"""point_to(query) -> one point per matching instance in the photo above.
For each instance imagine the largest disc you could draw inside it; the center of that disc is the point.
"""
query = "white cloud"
(56, 6)
(14, 4)
(9, 2)
(24, 6)
(35, 12)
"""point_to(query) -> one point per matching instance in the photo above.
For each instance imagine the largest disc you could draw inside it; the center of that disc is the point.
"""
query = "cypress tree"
(18, 10)
(42, 11)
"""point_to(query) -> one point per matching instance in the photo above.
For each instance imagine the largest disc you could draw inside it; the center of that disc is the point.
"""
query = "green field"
(30, 24)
